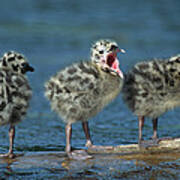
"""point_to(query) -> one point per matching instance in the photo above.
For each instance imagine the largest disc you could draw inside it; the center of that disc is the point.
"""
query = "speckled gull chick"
(15, 93)
(81, 90)
(151, 88)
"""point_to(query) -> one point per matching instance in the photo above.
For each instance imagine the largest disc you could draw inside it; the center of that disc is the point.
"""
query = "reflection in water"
(5, 167)
(133, 166)
(54, 164)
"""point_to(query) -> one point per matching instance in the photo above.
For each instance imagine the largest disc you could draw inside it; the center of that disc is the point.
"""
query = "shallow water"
(55, 34)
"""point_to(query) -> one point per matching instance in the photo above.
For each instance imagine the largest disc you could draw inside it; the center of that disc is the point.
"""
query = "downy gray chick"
(15, 92)
(81, 90)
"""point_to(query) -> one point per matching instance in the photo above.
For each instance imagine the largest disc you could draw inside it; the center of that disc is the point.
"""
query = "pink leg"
(141, 125)
(87, 134)
(155, 125)
(148, 143)
(155, 134)
(68, 137)
(89, 143)
(76, 154)
(10, 153)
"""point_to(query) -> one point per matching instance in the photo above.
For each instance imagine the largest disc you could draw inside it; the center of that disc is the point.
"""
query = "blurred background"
(55, 34)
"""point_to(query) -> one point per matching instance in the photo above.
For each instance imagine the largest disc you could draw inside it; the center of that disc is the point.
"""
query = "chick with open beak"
(78, 92)
(105, 53)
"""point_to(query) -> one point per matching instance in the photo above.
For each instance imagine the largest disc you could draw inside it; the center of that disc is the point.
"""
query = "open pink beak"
(113, 62)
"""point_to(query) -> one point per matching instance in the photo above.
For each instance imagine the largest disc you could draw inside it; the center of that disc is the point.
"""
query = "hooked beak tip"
(122, 51)
(29, 68)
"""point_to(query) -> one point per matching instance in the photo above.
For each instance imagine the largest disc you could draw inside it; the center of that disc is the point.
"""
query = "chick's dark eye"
(113, 47)
(101, 52)
(20, 57)
(24, 64)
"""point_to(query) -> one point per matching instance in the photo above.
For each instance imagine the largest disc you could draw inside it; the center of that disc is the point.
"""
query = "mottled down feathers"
(153, 87)
(15, 91)
(80, 91)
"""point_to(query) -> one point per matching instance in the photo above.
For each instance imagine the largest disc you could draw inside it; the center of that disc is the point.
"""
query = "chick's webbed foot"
(79, 155)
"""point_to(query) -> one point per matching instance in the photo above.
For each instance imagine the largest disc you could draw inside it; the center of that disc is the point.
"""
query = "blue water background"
(54, 34)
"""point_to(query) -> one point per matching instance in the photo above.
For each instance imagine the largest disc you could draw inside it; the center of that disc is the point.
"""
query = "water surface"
(54, 34)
